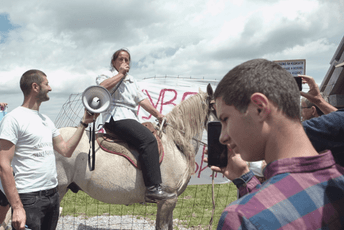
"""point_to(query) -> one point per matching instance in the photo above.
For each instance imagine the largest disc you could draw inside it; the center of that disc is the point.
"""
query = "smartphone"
(299, 82)
(217, 152)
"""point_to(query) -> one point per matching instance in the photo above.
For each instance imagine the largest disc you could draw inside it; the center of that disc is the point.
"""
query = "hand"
(313, 94)
(19, 218)
(124, 69)
(160, 119)
(3, 105)
(88, 117)
(236, 166)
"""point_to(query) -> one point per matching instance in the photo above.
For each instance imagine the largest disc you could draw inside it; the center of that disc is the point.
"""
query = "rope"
(213, 200)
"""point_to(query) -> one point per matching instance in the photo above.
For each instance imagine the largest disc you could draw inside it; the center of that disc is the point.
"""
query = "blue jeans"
(42, 209)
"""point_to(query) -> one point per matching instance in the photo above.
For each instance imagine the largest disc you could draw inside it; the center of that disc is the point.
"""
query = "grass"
(193, 209)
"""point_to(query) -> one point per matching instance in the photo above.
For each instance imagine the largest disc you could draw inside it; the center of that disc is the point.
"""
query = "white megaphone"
(96, 99)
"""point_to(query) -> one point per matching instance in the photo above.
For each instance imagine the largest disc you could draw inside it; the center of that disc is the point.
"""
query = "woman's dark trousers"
(144, 141)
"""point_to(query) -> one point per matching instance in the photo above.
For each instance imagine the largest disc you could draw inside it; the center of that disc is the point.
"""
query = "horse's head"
(210, 103)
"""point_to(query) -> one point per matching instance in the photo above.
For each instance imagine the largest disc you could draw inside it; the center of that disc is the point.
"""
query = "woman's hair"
(115, 56)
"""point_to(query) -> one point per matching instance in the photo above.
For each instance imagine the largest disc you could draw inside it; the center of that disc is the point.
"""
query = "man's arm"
(314, 96)
(238, 172)
(6, 155)
(66, 149)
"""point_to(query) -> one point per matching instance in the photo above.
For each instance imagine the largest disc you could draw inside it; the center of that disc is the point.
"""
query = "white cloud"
(72, 41)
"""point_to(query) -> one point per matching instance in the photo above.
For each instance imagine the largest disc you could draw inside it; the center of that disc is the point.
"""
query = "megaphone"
(96, 99)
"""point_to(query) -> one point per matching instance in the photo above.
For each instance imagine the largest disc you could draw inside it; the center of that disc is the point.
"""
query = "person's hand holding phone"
(313, 94)
(235, 168)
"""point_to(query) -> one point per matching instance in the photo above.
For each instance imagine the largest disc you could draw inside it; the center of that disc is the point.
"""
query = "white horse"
(116, 181)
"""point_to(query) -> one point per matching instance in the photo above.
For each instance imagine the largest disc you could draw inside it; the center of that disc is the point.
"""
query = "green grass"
(193, 209)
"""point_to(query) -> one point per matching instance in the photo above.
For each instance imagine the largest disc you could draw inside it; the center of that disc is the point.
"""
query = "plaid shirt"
(299, 193)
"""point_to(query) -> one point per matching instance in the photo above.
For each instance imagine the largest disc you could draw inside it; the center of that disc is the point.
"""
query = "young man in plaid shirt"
(258, 104)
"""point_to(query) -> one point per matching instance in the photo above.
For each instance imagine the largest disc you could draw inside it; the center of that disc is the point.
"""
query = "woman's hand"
(124, 69)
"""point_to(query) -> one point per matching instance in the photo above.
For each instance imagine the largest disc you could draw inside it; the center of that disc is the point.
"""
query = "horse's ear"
(210, 90)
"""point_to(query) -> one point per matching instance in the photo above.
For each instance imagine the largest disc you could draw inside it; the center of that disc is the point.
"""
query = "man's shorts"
(3, 199)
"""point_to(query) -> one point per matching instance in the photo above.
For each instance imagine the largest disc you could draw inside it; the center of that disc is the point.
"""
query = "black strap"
(92, 138)
(92, 145)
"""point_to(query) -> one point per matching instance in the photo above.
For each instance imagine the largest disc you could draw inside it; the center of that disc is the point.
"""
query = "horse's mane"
(186, 121)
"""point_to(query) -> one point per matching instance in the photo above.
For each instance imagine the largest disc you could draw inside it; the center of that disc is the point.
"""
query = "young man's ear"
(261, 104)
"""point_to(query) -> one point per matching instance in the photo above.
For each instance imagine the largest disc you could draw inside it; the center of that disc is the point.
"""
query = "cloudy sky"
(72, 41)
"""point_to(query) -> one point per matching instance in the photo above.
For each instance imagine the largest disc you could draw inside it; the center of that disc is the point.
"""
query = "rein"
(181, 131)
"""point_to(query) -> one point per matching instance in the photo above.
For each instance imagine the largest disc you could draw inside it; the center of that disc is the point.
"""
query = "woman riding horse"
(122, 119)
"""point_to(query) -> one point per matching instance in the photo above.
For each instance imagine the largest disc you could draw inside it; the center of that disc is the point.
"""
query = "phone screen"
(299, 82)
(217, 152)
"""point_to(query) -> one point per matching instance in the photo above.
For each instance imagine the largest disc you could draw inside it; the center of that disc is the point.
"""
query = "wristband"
(244, 179)
(84, 124)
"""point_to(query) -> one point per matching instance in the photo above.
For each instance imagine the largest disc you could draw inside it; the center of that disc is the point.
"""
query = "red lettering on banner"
(196, 167)
(161, 98)
(200, 168)
(186, 94)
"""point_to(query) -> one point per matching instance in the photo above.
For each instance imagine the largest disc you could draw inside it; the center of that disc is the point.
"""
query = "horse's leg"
(62, 180)
(164, 216)
(6, 214)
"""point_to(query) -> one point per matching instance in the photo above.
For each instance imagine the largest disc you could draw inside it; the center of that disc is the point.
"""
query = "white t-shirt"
(124, 100)
(33, 162)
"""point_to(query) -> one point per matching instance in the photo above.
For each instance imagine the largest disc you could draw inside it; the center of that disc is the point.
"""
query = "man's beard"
(43, 96)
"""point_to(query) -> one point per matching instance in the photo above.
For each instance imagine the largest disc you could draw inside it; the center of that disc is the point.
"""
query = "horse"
(116, 181)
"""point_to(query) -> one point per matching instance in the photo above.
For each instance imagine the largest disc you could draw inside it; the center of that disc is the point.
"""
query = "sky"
(72, 41)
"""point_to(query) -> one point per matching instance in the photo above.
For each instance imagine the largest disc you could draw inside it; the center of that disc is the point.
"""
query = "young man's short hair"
(263, 76)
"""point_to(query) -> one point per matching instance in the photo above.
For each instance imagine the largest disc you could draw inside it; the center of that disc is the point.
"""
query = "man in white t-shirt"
(4, 205)
(27, 141)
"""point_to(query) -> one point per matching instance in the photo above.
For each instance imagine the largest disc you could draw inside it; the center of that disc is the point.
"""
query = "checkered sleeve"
(249, 184)
(234, 220)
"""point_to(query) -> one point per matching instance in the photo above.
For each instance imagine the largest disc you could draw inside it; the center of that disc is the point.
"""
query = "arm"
(150, 109)
(67, 148)
(8, 183)
(238, 172)
(314, 96)
(232, 219)
(113, 81)
(326, 131)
